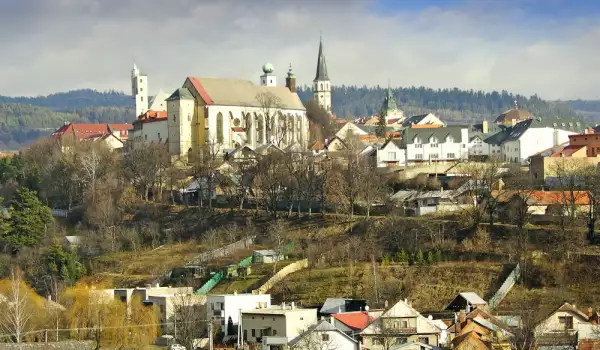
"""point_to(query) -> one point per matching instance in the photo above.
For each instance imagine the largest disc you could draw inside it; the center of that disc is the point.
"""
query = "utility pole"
(210, 336)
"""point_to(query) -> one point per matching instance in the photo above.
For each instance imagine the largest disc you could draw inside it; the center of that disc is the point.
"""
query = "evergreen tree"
(438, 256)
(381, 125)
(63, 264)
(429, 259)
(402, 257)
(230, 328)
(419, 259)
(28, 221)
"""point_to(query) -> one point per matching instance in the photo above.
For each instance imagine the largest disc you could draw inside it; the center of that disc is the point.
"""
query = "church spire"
(321, 64)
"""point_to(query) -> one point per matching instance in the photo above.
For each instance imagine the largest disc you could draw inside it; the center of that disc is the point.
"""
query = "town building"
(398, 325)
(112, 135)
(276, 325)
(389, 109)
(139, 90)
(322, 336)
(222, 307)
(513, 116)
(437, 144)
(150, 126)
(171, 306)
(566, 326)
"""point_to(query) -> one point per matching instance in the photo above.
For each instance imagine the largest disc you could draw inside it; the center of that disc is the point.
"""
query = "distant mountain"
(23, 119)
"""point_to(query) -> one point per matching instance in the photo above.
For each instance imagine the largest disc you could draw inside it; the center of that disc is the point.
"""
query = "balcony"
(399, 330)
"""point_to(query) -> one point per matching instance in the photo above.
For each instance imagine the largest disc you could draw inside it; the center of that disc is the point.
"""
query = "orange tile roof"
(567, 151)
(589, 345)
(425, 126)
(317, 146)
(355, 320)
(152, 116)
(84, 131)
(237, 129)
(545, 197)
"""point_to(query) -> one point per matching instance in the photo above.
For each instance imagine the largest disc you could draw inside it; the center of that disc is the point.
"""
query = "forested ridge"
(24, 119)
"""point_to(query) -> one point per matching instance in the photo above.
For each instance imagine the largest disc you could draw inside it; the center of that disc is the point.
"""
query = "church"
(228, 113)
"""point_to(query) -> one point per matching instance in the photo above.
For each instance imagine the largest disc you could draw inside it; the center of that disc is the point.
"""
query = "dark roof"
(409, 134)
(514, 114)
(514, 132)
(415, 119)
(321, 64)
(395, 142)
(372, 129)
(389, 104)
(181, 94)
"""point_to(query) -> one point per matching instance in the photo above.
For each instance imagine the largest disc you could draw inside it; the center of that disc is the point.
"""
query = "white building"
(139, 90)
(151, 126)
(171, 305)
(323, 336)
(221, 307)
(391, 154)
(439, 144)
(276, 325)
(423, 119)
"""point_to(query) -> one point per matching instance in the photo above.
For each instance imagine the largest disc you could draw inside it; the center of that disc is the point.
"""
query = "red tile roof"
(84, 131)
(589, 345)
(201, 91)
(355, 320)
(152, 116)
(567, 151)
(545, 197)
(237, 129)
(317, 146)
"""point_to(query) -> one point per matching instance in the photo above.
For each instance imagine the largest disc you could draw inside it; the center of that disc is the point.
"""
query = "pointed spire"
(321, 64)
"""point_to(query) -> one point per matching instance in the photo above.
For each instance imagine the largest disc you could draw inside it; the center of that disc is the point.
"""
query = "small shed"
(266, 256)
(466, 301)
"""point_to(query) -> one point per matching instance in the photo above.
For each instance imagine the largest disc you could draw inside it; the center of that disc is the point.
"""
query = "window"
(434, 145)
(418, 156)
(301, 318)
(391, 155)
(174, 118)
(321, 88)
(434, 156)
(418, 145)
(159, 136)
(146, 137)
(566, 322)
(451, 155)
(254, 332)
(450, 139)
(142, 98)
(325, 337)
(274, 331)
(377, 341)
(401, 340)
(424, 340)
(140, 80)
(404, 324)
(219, 128)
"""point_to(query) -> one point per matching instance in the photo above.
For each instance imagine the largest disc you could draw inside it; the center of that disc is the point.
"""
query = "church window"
(248, 128)
(260, 129)
(141, 89)
(174, 118)
(142, 98)
(219, 128)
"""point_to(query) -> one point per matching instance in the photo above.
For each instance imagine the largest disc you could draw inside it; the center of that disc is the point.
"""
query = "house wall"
(352, 128)
(541, 168)
(288, 324)
(391, 155)
(552, 324)
(532, 141)
(231, 306)
(156, 131)
(591, 141)
(384, 342)
(445, 151)
(335, 340)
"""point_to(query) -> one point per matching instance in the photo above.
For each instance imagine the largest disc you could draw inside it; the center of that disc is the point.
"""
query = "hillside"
(24, 119)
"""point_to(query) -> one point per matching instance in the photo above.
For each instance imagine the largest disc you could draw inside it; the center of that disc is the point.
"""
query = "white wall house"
(323, 336)
(280, 323)
(391, 154)
(564, 321)
(220, 307)
(350, 129)
(423, 119)
(435, 144)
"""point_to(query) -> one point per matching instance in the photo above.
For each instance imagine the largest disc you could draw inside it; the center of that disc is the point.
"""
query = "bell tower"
(321, 84)
(139, 90)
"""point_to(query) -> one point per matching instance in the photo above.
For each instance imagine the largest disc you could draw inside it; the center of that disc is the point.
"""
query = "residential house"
(126, 295)
(323, 336)
(398, 325)
(545, 166)
(481, 322)
(222, 307)
(423, 119)
(342, 305)
(541, 205)
(276, 325)
(391, 154)
(443, 144)
(411, 345)
(266, 256)
(353, 323)
(151, 126)
(478, 148)
(466, 301)
(113, 135)
(564, 325)
(520, 141)
(171, 305)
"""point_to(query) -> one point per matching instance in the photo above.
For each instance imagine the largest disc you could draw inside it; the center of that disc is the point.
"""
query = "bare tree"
(206, 160)
(17, 308)
(188, 319)
(145, 166)
(316, 339)
(278, 236)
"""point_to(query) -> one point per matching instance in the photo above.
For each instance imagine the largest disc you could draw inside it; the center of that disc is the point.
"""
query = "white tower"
(139, 89)
(322, 86)
(268, 78)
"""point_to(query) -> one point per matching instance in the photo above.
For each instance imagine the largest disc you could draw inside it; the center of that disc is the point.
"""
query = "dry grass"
(259, 274)
(428, 287)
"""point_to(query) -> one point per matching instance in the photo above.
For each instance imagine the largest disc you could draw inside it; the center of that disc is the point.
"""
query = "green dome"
(268, 68)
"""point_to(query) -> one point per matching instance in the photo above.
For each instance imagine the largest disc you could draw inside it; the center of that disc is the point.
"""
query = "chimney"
(484, 127)
(332, 320)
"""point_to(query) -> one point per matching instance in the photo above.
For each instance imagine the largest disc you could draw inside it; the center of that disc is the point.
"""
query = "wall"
(336, 341)
(291, 268)
(277, 323)
(501, 293)
(551, 324)
(232, 304)
(62, 345)
(150, 131)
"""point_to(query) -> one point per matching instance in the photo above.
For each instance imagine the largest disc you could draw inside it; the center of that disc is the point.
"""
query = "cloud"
(58, 45)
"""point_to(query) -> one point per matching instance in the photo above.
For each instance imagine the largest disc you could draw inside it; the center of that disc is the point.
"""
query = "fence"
(221, 252)
(291, 268)
(509, 282)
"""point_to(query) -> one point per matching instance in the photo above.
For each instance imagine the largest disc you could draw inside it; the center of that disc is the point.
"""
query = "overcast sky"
(548, 47)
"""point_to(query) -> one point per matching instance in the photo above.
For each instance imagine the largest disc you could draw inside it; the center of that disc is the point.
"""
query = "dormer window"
(449, 139)
(433, 142)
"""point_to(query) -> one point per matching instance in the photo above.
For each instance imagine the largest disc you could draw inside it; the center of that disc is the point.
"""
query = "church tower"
(322, 86)
(139, 89)
(268, 78)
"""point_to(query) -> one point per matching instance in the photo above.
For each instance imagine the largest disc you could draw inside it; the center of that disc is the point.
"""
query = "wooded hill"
(24, 119)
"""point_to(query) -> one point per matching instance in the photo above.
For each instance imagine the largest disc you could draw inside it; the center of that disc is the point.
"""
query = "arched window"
(260, 128)
(290, 128)
(249, 130)
(219, 128)
(321, 86)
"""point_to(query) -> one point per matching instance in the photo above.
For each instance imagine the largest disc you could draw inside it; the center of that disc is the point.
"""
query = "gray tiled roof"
(181, 94)
(321, 65)
(514, 132)
(424, 134)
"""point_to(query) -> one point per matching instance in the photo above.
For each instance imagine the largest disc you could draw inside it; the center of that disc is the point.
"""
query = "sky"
(544, 47)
